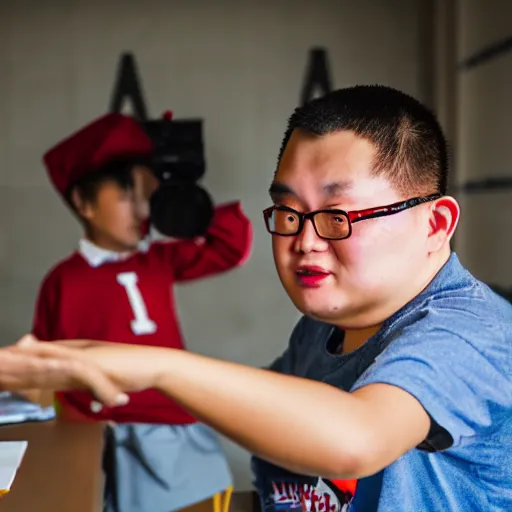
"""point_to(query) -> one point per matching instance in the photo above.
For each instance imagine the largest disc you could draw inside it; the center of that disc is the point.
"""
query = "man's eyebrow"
(332, 190)
(278, 190)
(337, 188)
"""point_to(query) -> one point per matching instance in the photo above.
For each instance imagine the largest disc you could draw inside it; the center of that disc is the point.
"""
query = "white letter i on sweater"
(141, 324)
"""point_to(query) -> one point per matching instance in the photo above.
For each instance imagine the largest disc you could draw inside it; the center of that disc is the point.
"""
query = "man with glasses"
(394, 393)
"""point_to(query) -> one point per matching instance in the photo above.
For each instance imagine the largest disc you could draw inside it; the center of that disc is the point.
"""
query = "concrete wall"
(483, 147)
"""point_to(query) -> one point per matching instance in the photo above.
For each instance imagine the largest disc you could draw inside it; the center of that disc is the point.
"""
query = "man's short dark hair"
(411, 149)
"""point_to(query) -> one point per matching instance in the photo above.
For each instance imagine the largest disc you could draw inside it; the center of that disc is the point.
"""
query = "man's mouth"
(311, 276)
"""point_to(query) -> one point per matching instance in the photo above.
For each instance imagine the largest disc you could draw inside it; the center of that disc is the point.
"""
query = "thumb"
(27, 340)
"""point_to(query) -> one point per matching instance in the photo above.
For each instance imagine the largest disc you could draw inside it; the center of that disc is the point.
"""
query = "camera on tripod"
(180, 208)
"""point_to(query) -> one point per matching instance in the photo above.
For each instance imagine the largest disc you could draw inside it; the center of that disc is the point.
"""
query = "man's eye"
(291, 218)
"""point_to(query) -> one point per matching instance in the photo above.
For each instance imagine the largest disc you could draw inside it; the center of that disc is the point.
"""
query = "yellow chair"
(220, 504)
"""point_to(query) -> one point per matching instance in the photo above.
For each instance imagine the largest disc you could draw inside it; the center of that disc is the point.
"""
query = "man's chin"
(314, 309)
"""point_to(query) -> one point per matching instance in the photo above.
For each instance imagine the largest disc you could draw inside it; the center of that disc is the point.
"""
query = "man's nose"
(308, 241)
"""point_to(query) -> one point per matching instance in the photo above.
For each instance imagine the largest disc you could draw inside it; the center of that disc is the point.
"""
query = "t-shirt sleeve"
(463, 384)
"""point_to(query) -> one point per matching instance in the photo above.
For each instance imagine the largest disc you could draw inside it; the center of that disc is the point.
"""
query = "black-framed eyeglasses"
(331, 224)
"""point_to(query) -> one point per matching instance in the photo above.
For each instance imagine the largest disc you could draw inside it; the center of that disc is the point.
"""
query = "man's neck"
(355, 338)
(436, 263)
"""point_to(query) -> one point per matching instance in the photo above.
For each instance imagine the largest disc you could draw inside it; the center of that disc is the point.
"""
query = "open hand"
(125, 367)
(27, 365)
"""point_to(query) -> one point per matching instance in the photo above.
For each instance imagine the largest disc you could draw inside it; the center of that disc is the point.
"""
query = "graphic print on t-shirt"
(324, 496)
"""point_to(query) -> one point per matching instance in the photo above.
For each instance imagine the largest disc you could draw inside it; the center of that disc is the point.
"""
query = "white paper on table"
(11, 455)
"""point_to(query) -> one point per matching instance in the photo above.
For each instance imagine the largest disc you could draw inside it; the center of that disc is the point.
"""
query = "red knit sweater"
(131, 301)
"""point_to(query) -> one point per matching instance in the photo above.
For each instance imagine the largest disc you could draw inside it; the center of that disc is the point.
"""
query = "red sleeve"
(43, 326)
(226, 245)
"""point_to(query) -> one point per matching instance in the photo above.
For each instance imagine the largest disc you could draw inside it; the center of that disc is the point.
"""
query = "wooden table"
(61, 470)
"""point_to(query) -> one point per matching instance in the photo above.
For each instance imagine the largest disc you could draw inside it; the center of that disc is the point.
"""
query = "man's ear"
(82, 207)
(444, 216)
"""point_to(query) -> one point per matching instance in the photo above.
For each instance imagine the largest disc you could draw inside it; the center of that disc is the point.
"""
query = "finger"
(50, 349)
(90, 376)
(76, 343)
(27, 340)
(75, 370)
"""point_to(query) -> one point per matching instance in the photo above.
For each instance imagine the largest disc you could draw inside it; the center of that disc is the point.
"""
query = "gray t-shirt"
(451, 348)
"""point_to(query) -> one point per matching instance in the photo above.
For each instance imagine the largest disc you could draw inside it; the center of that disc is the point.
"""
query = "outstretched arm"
(306, 426)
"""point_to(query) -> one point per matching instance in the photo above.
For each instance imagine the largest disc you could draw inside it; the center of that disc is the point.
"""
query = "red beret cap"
(111, 137)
